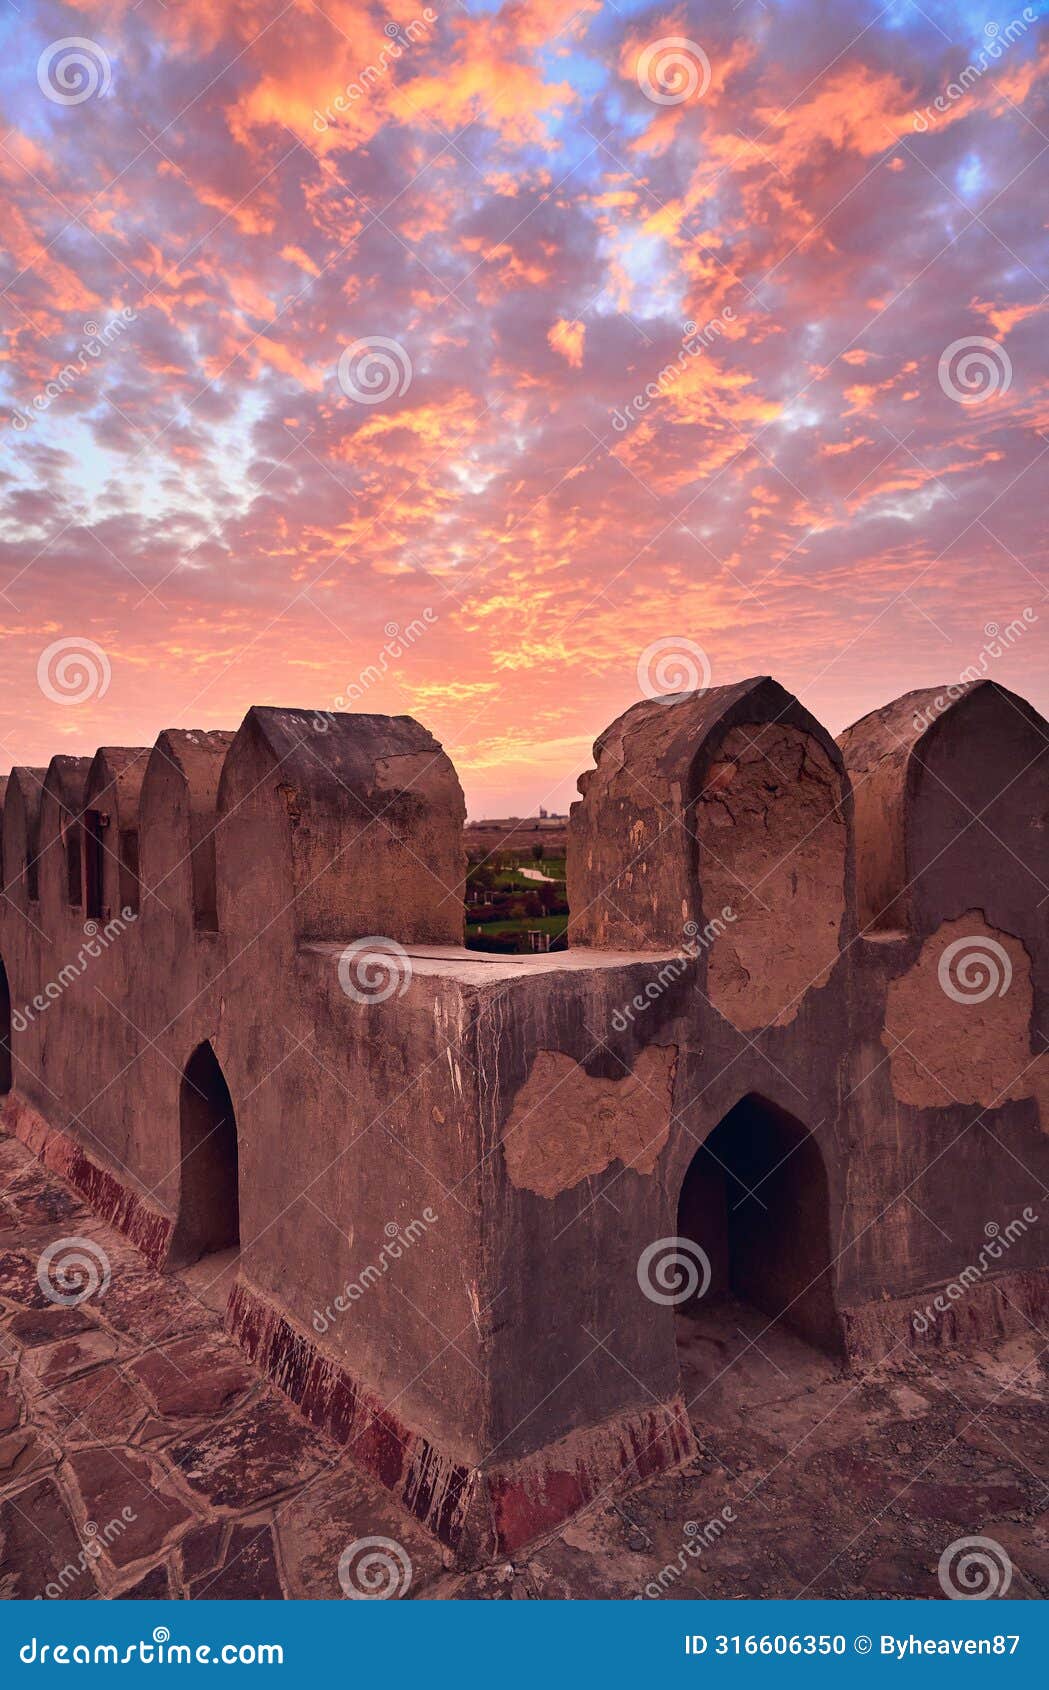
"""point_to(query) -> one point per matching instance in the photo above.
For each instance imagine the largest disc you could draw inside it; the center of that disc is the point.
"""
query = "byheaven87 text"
(1002, 1643)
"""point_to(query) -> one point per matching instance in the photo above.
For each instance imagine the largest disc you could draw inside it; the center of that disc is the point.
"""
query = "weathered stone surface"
(254, 1454)
(773, 843)
(248, 1573)
(201, 1548)
(123, 1486)
(567, 1124)
(51, 1363)
(958, 1024)
(101, 1406)
(335, 1510)
(49, 1324)
(18, 1282)
(155, 1586)
(37, 1540)
(194, 1377)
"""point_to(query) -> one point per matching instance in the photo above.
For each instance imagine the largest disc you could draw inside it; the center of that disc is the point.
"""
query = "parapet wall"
(445, 1171)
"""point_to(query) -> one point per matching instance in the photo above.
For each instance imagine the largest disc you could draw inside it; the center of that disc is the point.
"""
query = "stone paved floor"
(141, 1453)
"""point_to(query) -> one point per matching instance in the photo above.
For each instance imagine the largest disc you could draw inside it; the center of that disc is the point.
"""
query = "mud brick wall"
(798, 1036)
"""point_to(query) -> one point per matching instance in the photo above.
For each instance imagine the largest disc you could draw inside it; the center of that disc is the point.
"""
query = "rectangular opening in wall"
(516, 896)
(129, 869)
(94, 827)
(205, 903)
(74, 867)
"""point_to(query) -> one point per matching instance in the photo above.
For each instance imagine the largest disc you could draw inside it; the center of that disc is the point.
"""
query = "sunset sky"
(796, 210)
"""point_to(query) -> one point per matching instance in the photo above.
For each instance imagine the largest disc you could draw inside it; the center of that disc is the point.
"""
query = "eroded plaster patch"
(953, 1034)
(567, 1124)
(772, 848)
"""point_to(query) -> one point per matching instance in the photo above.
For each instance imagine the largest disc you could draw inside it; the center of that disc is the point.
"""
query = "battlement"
(795, 1037)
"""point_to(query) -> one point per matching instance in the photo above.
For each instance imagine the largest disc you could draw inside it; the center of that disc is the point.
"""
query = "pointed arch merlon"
(61, 836)
(951, 791)
(111, 830)
(22, 800)
(718, 822)
(179, 810)
(338, 826)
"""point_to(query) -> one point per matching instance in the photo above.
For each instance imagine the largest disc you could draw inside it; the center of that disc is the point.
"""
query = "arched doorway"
(208, 1219)
(6, 1070)
(755, 1199)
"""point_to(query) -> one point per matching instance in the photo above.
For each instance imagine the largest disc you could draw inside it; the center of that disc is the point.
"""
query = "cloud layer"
(444, 359)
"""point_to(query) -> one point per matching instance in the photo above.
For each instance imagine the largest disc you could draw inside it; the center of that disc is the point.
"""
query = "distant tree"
(538, 852)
